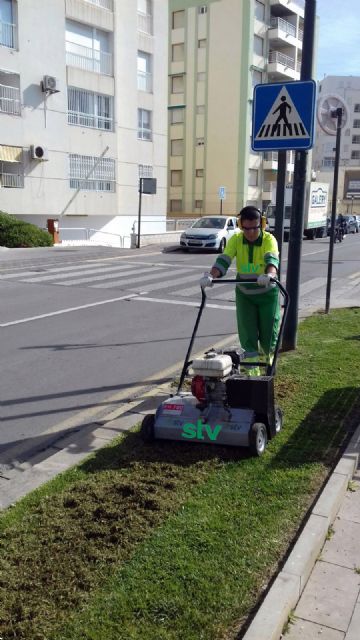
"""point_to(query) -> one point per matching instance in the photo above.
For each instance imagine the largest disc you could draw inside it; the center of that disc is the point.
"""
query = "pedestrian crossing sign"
(283, 116)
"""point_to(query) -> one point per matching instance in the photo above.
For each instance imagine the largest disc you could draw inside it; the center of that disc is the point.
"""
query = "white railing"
(10, 100)
(105, 4)
(300, 35)
(8, 34)
(145, 23)
(78, 235)
(283, 25)
(144, 81)
(281, 58)
(85, 120)
(12, 180)
(178, 224)
(89, 59)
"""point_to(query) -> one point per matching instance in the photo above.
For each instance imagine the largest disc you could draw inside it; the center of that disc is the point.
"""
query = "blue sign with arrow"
(283, 116)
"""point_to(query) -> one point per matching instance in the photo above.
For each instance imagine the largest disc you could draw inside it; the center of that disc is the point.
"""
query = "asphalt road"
(80, 327)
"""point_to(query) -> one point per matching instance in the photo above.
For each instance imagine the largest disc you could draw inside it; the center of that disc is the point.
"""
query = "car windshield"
(209, 223)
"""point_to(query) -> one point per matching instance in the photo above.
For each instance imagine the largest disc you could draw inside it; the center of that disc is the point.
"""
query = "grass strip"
(174, 540)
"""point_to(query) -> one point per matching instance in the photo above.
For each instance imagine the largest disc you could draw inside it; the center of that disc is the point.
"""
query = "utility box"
(53, 229)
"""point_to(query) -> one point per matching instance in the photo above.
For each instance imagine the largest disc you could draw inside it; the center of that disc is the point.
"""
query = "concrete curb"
(287, 588)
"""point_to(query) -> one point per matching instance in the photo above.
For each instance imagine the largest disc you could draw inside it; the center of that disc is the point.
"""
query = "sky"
(339, 38)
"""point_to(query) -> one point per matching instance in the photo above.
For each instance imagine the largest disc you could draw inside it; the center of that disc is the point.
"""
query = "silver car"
(209, 232)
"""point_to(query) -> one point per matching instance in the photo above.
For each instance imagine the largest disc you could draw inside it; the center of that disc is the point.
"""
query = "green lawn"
(175, 540)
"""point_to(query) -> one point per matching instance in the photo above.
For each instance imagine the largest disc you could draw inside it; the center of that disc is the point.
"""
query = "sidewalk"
(317, 593)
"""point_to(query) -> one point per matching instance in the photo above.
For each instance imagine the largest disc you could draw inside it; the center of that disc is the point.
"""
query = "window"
(90, 173)
(87, 109)
(328, 162)
(253, 178)
(177, 84)
(178, 19)
(356, 139)
(11, 167)
(88, 48)
(177, 116)
(200, 142)
(202, 9)
(259, 10)
(201, 76)
(256, 77)
(7, 25)
(258, 45)
(202, 43)
(199, 173)
(10, 93)
(356, 124)
(176, 178)
(357, 107)
(145, 171)
(175, 205)
(144, 71)
(144, 124)
(198, 204)
(144, 8)
(178, 52)
(200, 109)
(177, 147)
(355, 155)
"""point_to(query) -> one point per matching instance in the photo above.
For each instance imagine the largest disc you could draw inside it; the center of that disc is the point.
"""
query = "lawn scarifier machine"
(225, 406)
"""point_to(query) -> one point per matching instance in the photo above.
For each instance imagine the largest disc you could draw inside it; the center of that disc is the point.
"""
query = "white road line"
(164, 284)
(112, 276)
(150, 276)
(69, 310)
(44, 271)
(62, 276)
(181, 303)
(354, 275)
(310, 285)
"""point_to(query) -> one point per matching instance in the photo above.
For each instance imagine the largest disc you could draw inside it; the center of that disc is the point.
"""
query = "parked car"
(357, 223)
(209, 232)
(350, 224)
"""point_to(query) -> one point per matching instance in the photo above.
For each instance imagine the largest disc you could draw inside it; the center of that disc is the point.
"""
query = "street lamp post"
(352, 204)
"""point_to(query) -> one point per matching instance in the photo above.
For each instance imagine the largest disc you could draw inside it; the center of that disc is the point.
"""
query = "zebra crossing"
(142, 278)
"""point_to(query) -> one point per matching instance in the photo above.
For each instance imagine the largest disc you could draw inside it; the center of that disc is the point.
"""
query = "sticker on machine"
(172, 409)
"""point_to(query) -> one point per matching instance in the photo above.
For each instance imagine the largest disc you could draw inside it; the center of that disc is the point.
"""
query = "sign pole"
(337, 114)
(139, 213)
(298, 199)
(280, 204)
(221, 206)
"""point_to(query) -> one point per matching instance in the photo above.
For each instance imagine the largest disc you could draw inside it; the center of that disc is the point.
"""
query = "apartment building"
(218, 51)
(347, 90)
(80, 121)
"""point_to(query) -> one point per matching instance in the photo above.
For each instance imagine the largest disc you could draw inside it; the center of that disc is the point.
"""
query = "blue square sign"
(283, 116)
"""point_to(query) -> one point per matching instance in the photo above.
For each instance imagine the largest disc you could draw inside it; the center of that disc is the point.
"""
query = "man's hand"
(265, 280)
(206, 281)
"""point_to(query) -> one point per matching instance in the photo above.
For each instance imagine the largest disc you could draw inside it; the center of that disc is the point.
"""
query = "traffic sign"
(283, 116)
(222, 193)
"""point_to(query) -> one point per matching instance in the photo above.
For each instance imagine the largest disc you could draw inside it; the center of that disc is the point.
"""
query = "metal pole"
(139, 213)
(352, 203)
(337, 114)
(221, 206)
(298, 198)
(280, 204)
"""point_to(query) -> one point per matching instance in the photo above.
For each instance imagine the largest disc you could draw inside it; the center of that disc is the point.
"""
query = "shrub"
(17, 233)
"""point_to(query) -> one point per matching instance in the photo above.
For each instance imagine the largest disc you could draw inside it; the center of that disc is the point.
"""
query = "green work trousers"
(258, 320)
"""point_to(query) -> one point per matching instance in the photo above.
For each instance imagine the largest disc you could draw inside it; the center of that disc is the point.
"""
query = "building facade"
(80, 121)
(347, 88)
(218, 51)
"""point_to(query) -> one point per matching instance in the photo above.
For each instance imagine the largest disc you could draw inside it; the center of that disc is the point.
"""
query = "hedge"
(17, 233)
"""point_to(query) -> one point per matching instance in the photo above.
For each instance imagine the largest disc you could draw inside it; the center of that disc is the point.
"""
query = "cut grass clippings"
(179, 541)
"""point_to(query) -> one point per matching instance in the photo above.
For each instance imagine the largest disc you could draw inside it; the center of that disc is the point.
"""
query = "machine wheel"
(278, 419)
(257, 438)
(147, 428)
(222, 245)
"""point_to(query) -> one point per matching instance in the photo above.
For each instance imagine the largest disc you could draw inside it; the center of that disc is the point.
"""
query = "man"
(257, 304)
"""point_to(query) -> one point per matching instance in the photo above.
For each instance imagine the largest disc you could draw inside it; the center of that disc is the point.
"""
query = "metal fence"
(88, 235)
(12, 180)
(105, 4)
(89, 59)
(10, 100)
(8, 34)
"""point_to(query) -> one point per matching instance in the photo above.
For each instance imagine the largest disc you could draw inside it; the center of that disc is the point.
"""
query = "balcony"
(145, 23)
(10, 100)
(104, 4)
(89, 59)
(284, 7)
(282, 66)
(270, 161)
(8, 34)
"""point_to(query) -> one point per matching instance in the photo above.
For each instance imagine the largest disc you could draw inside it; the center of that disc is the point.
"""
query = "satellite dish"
(325, 106)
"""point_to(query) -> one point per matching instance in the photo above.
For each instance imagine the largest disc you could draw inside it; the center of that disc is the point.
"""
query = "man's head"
(249, 220)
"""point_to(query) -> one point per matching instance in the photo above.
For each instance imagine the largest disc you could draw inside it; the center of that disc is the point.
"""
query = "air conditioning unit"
(49, 84)
(38, 152)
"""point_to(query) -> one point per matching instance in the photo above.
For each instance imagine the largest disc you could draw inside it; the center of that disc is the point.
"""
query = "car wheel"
(222, 245)
(147, 429)
(257, 438)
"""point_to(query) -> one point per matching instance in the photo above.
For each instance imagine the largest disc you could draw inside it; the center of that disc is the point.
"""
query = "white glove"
(264, 280)
(206, 280)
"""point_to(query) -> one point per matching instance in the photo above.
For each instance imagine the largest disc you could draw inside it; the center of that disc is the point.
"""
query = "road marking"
(310, 285)
(112, 276)
(78, 272)
(354, 275)
(182, 303)
(69, 310)
(165, 284)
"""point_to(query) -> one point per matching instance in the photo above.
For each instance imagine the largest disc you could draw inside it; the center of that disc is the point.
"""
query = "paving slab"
(350, 507)
(343, 548)
(305, 630)
(330, 596)
(330, 500)
(353, 632)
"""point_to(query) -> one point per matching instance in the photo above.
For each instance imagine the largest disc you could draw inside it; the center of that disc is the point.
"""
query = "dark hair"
(250, 213)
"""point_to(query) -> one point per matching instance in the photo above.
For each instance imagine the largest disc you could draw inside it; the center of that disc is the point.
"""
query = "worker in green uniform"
(257, 304)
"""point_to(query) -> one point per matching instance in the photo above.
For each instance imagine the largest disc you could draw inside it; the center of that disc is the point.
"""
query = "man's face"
(251, 229)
